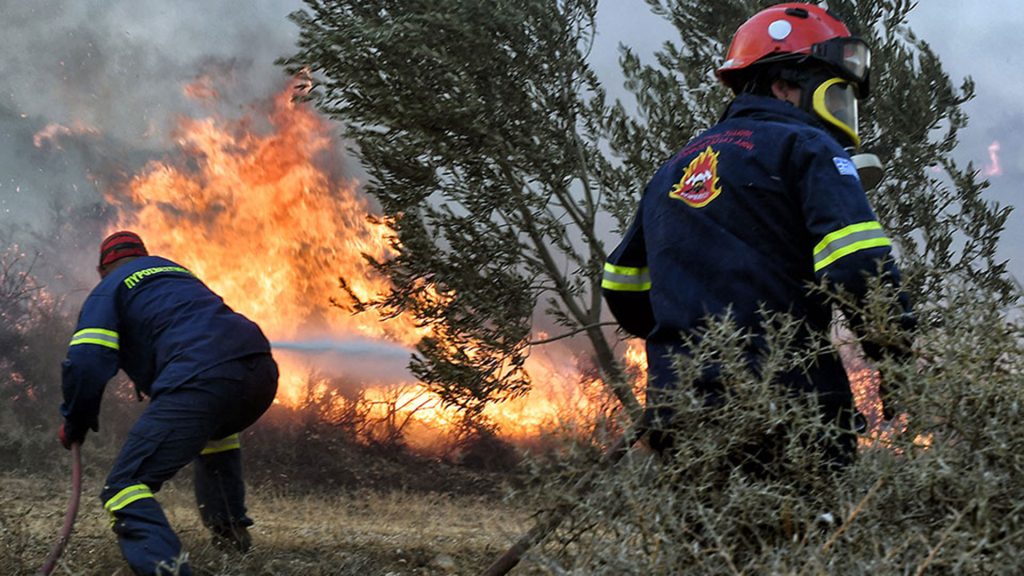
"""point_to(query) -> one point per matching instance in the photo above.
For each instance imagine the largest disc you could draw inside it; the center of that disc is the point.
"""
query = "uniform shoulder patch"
(699, 184)
(846, 167)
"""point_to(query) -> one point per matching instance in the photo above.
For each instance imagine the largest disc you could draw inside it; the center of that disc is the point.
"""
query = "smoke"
(365, 361)
(364, 348)
(120, 66)
(981, 43)
(96, 93)
(95, 88)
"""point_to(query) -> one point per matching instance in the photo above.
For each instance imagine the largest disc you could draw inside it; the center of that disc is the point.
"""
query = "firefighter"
(757, 208)
(209, 374)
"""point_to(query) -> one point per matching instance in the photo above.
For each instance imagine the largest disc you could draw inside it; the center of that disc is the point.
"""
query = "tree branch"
(571, 333)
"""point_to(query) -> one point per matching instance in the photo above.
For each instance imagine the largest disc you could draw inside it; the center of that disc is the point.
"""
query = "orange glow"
(258, 218)
(636, 368)
(864, 383)
(202, 88)
(261, 218)
(257, 209)
(993, 168)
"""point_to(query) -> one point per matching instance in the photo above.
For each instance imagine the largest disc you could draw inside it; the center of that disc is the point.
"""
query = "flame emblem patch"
(699, 184)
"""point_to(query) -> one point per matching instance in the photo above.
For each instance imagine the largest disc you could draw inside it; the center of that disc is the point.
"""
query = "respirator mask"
(834, 100)
(831, 94)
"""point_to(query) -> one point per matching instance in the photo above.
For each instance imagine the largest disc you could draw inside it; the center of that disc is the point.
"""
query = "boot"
(234, 537)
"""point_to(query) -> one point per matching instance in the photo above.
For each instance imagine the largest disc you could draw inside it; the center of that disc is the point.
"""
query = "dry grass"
(365, 533)
(941, 495)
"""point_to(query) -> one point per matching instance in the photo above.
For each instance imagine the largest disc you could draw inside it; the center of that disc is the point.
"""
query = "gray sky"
(983, 40)
(118, 66)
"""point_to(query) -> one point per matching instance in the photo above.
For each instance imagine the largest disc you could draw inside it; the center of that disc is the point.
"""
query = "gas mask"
(830, 92)
(833, 100)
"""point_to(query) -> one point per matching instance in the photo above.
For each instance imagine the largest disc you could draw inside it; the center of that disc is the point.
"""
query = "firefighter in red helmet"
(750, 213)
(811, 49)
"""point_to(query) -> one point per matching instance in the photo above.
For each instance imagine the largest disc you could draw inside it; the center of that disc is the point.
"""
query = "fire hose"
(72, 511)
(551, 520)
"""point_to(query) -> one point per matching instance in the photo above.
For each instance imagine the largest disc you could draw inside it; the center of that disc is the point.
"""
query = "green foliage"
(35, 328)
(676, 98)
(931, 206)
(492, 152)
(479, 124)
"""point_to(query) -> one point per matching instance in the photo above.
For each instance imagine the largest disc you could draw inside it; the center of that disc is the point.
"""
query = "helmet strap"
(760, 78)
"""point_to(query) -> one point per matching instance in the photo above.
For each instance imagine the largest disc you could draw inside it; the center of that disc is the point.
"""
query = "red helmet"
(120, 245)
(785, 31)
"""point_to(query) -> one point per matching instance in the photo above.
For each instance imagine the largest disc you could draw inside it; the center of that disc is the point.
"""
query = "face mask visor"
(835, 102)
(851, 57)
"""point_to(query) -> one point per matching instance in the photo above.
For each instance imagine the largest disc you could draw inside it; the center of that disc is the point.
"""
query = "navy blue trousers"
(826, 380)
(176, 428)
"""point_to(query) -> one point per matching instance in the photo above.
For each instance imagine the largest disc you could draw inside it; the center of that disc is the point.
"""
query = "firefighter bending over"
(209, 374)
(754, 210)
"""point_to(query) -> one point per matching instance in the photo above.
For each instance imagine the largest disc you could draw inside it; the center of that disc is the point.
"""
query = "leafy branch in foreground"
(479, 124)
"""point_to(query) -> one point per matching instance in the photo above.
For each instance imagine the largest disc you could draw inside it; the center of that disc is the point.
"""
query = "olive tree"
(497, 158)
(480, 126)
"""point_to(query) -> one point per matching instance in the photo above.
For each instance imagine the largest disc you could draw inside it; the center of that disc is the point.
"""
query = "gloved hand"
(69, 434)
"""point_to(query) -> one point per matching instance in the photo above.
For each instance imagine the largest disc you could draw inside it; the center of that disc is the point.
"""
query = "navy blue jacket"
(160, 324)
(746, 214)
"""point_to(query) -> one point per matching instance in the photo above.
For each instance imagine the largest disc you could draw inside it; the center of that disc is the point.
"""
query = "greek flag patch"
(846, 167)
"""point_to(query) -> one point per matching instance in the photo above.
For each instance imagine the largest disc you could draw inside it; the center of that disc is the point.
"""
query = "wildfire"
(202, 88)
(864, 383)
(257, 209)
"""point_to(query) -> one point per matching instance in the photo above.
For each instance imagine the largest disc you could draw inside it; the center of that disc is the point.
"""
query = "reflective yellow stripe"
(223, 445)
(848, 240)
(97, 336)
(126, 497)
(625, 278)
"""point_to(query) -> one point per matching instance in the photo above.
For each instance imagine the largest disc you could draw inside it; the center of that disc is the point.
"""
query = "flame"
(864, 383)
(259, 220)
(256, 207)
(993, 169)
(53, 132)
(264, 219)
(202, 88)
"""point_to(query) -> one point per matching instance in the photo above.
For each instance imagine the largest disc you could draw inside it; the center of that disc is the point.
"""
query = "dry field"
(369, 533)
